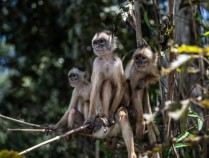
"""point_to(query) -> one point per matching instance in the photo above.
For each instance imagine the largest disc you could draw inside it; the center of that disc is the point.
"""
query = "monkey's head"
(77, 76)
(104, 42)
(144, 58)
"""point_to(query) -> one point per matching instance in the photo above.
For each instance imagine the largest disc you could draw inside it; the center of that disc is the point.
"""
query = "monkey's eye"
(72, 75)
(137, 58)
(102, 41)
(143, 58)
(95, 42)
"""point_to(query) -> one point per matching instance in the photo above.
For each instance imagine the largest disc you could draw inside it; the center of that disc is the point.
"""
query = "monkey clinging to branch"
(141, 71)
(107, 78)
(78, 79)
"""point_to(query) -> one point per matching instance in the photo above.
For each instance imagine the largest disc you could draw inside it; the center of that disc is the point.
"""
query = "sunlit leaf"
(181, 59)
(200, 123)
(182, 136)
(192, 139)
(192, 114)
(177, 109)
(206, 33)
(190, 49)
(192, 70)
(207, 51)
(205, 102)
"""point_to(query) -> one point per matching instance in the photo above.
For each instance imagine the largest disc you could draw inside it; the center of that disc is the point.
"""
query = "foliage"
(9, 154)
(40, 40)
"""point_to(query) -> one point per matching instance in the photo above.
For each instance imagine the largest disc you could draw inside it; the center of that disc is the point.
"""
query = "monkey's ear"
(155, 57)
(116, 41)
(86, 75)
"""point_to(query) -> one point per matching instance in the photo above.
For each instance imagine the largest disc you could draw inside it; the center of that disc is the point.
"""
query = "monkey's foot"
(104, 121)
(111, 120)
(87, 121)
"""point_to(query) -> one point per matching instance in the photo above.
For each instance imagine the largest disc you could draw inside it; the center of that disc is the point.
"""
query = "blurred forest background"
(40, 40)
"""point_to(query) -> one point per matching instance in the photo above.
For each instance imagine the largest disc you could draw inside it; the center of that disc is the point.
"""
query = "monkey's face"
(142, 58)
(75, 77)
(104, 43)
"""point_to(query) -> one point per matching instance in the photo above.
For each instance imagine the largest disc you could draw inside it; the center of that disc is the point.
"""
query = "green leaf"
(182, 136)
(192, 114)
(177, 145)
(199, 119)
(206, 33)
(200, 123)
(147, 20)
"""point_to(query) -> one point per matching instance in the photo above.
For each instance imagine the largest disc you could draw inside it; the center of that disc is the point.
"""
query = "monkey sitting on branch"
(78, 79)
(140, 72)
(107, 78)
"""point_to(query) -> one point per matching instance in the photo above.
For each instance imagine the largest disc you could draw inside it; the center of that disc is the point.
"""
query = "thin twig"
(54, 139)
(19, 121)
(25, 130)
(139, 38)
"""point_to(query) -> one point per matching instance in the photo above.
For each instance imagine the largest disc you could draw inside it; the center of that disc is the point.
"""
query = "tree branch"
(54, 139)
(19, 121)
(139, 38)
(26, 130)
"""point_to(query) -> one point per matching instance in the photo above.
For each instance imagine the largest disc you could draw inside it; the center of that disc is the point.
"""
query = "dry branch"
(26, 130)
(139, 38)
(54, 139)
(19, 121)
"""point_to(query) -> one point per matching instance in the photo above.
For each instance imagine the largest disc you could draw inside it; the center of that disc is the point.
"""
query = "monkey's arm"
(95, 91)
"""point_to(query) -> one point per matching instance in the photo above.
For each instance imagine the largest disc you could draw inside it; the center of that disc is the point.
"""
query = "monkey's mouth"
(99, 50)
(73, 81)
(139, 65)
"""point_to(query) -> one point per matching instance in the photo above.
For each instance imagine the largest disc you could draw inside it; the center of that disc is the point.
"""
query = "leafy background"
(40, 40)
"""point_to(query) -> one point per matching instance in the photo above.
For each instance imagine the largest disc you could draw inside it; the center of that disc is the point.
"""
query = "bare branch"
(19, 121)
(139, 38)
(54, 139)
(26, 130)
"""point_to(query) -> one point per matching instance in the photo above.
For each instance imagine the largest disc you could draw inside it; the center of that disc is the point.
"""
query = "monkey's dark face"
(142, 58)
(75, 77)
(104, 43)
(141, 61)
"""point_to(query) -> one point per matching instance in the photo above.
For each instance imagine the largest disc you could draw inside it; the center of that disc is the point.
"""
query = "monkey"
(140, 72)
(107, 78)
(78, 79)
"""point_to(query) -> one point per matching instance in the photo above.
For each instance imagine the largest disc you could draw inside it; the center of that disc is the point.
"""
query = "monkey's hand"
(50, 128)
(141, 84)
(88, 121)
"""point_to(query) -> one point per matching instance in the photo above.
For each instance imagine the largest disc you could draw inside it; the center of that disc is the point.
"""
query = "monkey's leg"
(94, 98)
(126, 131)
(75, 117)
(106, 98)
(85, 110)
(137, 102)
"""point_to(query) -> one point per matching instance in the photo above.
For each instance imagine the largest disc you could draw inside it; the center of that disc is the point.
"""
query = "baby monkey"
(78, 79)
(107, 78)
(140, 72)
